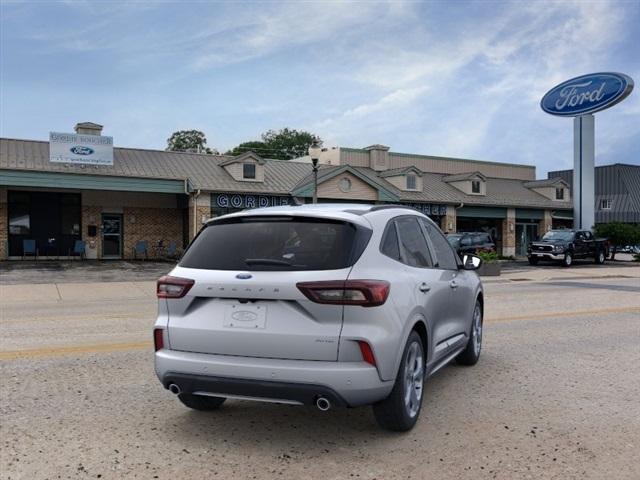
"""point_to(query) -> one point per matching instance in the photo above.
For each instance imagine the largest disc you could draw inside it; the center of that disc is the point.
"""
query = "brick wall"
(4, 225)
(448, 222)
(546, 223)
(152, 225)
(202, 206)
(509, 233)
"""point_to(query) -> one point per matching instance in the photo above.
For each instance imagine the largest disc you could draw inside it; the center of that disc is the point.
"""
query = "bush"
(488, 257)
(636, 257)
(618, 234)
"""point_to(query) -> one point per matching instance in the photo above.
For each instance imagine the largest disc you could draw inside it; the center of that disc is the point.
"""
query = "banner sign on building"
(240, 200)
(80, 149)
(428, 209)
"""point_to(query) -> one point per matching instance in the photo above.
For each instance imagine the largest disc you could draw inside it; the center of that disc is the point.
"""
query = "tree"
(283, 144)
(188, 141)
(619, 234)
(255, 146)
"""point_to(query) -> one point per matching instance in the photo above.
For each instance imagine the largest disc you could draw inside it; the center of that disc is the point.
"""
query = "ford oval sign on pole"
(580, 97)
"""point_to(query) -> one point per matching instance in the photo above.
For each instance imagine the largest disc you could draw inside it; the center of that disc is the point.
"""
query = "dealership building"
(79, 187)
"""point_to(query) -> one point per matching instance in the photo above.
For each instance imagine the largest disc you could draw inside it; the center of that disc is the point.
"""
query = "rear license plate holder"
(245, 316)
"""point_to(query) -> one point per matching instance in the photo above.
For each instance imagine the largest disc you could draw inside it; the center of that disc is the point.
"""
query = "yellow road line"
(122, 347)
(563, 314)
(75, 349)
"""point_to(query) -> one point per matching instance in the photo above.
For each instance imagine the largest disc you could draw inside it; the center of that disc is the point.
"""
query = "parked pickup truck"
(566, 245)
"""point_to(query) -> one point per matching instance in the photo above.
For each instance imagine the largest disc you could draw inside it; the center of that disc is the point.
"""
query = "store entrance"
(111, 236)
(525, 234)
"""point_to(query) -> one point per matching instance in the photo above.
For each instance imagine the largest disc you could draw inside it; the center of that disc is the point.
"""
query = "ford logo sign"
(244, 276)
(78, 150)
(587, 94)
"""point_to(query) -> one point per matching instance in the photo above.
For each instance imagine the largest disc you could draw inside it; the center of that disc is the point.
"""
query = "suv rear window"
(276, 244)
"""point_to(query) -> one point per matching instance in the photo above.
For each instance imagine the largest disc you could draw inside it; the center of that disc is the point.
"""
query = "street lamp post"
(314, 153)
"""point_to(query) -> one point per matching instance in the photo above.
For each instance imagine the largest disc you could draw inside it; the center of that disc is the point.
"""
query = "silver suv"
(325, 305)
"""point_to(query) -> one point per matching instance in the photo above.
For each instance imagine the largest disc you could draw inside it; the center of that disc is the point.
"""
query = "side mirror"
(471, 262)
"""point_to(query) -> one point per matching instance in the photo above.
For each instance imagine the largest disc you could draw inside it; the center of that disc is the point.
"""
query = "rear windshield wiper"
(267, 261)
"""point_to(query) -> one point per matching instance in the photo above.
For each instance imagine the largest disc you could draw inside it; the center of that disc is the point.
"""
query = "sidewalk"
(524, 272)
(80, 271)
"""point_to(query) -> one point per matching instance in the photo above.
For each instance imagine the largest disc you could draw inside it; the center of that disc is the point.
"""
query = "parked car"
(566, 245)
(325, 305)
(471, 242)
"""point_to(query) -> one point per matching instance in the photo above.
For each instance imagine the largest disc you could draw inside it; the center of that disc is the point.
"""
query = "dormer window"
(560, 193)
(475, 186)
(249, 171)
(411, 182)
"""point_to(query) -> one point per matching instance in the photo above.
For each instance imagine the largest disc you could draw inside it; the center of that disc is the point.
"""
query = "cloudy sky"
(449, 78)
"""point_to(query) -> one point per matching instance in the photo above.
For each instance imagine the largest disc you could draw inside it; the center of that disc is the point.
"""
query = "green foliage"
(619, 234)
(188, 141)
(488, 257)
(636, 257)
(283, 144)
(256, 146)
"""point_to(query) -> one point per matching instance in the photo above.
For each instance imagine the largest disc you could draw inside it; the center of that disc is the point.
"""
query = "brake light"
(158, 339)
(173, 287)
(366, 293)
(367, 353)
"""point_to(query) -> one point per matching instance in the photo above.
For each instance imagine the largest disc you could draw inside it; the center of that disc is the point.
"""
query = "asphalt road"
(555, 395)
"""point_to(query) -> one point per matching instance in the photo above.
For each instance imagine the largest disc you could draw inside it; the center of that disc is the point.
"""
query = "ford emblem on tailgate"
(244, 276)
(244, 316)
(79, 150)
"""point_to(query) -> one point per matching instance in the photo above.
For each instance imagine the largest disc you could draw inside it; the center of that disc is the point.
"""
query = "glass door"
(111, 235)
(525, 234)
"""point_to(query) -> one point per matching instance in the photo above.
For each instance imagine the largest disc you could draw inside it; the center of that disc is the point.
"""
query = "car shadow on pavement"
(277, 428)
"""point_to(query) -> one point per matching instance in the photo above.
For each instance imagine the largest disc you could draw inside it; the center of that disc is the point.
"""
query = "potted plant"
(490, 266)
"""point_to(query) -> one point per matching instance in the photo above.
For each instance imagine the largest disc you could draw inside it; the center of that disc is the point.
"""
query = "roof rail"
(375, 208)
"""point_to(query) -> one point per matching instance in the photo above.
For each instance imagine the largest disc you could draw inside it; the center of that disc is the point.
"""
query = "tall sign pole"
(584, 172)
(580, 97)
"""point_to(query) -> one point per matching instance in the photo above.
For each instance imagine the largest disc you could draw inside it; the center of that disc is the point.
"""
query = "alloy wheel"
(413, 379)
(476, 330)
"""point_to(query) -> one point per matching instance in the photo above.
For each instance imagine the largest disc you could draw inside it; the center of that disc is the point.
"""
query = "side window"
(389, 245)
(588, 236)
(415, 251)
(466, 241)
(447, 258)
(579, 236)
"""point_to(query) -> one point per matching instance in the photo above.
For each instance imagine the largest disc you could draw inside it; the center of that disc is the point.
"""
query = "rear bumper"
(299, 381)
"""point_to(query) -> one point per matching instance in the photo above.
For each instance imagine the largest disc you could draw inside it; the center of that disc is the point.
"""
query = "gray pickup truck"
(566, 245)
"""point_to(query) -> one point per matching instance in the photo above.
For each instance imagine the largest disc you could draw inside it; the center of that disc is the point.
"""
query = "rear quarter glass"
(277, 244)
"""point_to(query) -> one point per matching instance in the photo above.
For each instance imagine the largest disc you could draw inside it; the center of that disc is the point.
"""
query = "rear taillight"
(366, 293)
(173, 287)
(367, 353)
(158, 339)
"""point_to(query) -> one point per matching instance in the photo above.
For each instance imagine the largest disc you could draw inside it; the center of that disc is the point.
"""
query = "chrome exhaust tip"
(323, 404)
(175, 389)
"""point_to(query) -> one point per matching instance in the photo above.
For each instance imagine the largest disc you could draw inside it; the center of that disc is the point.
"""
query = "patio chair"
(141, 248)
(172, 250)
(78, 249)
(29, 248)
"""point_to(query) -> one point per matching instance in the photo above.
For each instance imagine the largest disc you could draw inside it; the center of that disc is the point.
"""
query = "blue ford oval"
(587, 94)
(79, 150)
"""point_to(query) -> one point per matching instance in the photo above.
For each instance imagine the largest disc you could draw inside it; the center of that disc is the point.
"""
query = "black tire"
(533, 261)
(471, 354)
(567, 261)
(393, 413)
(600, 257)
(201, 402)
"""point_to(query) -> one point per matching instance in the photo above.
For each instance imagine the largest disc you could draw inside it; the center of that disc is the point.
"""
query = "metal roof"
(204, 171)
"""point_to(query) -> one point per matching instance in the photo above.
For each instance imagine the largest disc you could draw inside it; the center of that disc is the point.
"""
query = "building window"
(19, 213)
(475, 186)
(411, 182)
(559, 193)
(605, 204)
(249, 170)
(344, 185)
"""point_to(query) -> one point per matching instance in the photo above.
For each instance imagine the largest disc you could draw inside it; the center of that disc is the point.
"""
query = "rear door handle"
(424, 288)
(453, 284)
